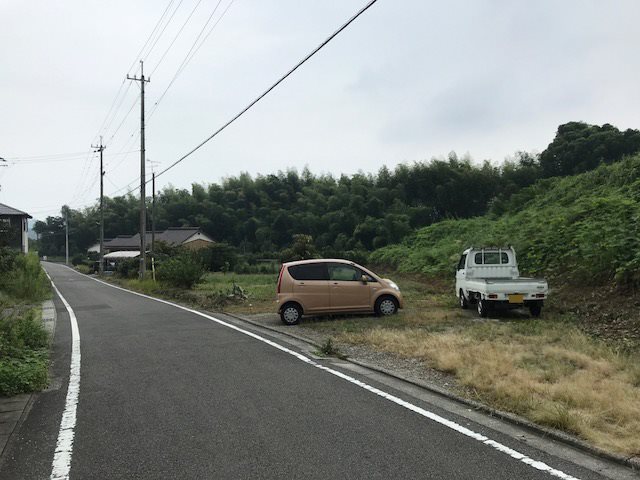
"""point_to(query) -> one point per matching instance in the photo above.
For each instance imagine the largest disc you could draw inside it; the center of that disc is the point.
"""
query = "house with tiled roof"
(14, 228)
(188, 237)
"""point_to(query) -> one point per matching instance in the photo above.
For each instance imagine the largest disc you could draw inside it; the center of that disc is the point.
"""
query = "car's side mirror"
(364, 279)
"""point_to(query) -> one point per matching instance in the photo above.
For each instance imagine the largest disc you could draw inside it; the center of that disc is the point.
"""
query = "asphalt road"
(167, 394)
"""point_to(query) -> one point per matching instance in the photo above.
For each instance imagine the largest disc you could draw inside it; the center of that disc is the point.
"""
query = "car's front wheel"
(291, 314)
(386, 305)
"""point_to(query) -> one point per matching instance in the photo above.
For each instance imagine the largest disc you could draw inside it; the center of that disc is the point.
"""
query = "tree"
(579, 147)
(302, 248)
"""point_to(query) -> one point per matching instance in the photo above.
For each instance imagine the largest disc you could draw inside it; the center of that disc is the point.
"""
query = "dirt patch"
(603, 312)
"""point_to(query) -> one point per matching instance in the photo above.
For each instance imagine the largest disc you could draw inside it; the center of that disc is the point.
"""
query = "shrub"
(128, 268)
(21, 330)
(78, 259)
(86, 269)
(25, 279)
(218, 257)
(182, 271)
(7, 259)
(20, 375)
(23, 353)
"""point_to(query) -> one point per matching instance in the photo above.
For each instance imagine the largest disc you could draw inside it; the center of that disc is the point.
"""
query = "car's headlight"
(394, 285)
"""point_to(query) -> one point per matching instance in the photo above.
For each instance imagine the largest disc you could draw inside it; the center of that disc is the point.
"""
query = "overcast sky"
(408, 81)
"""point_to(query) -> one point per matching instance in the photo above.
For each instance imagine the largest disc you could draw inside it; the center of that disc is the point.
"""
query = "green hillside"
(584, 227)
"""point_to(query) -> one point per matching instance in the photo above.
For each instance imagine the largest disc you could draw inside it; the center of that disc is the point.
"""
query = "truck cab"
(489, 278)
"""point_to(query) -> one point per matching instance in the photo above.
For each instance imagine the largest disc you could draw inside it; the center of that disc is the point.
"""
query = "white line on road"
(64, 447)
(538, 465)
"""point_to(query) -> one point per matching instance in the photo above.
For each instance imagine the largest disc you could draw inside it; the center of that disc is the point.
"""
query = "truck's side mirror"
(364, 280)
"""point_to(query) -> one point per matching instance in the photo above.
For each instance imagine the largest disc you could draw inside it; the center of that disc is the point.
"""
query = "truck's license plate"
(516, 298)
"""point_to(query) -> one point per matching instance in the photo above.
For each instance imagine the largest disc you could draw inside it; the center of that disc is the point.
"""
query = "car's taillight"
(280, 278)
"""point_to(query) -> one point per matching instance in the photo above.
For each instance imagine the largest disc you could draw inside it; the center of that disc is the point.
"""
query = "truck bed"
(506, 285)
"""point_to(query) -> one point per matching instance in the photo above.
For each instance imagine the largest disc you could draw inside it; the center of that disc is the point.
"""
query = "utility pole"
(66, 236)
(153, 214)
(143, 213)
(100, 149)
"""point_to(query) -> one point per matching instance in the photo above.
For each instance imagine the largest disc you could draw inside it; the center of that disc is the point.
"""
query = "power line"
(163, 29)
(58, 159)
(112, 112)
(268, 90)
(106, 128)
(47, 156)
(138, 56)
(126, 115)
(257, 99)
(175, 37)
(187, 57)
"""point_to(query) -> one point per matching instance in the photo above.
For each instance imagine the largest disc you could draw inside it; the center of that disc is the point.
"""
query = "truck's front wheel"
(483, 308)
(464, 304)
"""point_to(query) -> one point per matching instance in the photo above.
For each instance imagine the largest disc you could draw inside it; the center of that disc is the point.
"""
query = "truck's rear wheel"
(483, 308)
(464, 304)
(536, 310)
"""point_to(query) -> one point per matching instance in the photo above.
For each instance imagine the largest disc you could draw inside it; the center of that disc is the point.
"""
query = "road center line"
(64, 447)
(538, 465)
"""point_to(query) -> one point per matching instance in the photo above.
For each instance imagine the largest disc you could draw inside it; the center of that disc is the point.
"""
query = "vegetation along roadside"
(24, 343)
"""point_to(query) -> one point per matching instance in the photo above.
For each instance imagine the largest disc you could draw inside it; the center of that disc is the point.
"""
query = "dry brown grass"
(546, 370)
(552, 374)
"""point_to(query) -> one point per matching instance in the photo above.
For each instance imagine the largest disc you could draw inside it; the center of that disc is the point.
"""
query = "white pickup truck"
(489, 277)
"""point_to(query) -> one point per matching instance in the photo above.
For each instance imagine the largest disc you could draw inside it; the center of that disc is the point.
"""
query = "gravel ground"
(409, 368)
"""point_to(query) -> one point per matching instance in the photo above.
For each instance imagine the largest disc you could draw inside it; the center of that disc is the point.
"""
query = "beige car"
(309, 287)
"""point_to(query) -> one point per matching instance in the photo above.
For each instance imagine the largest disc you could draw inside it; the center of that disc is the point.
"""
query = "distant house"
(188, 237)
(14, 228)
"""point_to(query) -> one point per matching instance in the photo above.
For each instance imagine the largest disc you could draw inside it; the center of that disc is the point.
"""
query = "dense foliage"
(586, 226)
(350, 215)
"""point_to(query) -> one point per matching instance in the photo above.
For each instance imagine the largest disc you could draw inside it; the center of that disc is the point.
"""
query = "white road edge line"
(64, 447)
(538, 465)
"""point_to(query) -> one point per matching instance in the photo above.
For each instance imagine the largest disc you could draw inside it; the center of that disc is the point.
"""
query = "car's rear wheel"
(386, 305)
(483, 307)
(291, 314)
(464, 304)
(536, 310)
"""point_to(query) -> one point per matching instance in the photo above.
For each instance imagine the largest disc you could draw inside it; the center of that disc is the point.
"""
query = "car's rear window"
(309, 271)
(491, 258)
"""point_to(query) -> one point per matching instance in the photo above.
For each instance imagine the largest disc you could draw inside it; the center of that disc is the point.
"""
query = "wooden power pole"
(153, 214)
(100, 148)
(66, 236)
(143, 207)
